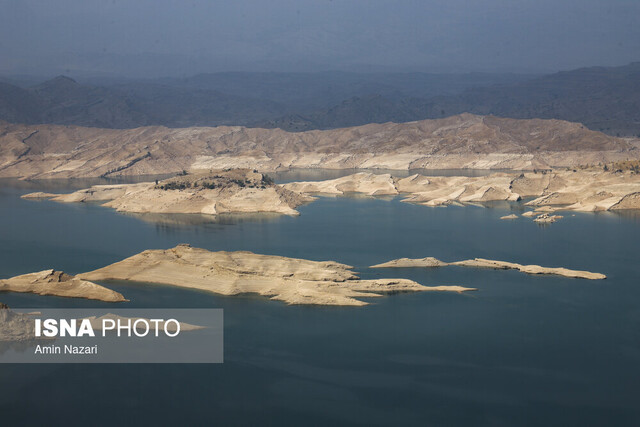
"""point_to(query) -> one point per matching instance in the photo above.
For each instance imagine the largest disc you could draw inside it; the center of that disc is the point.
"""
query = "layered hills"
(464, 141)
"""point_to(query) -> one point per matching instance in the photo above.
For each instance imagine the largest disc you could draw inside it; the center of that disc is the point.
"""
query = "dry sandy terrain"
(487, 263)
(463, 141)
(294, 281)
(582, 190)
(57, 283)
(210, 193)
(586, 190)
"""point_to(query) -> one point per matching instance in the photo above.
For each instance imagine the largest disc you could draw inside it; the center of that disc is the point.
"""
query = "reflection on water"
(629, 214)
(182, 219)
(69, 185)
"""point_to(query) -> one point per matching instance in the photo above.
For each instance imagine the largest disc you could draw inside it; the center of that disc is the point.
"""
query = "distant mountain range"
(213, 99)
(603, 99)
(64, 101)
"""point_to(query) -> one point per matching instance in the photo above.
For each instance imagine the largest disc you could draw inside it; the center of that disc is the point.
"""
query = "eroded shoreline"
(586, 190)
(244, 191)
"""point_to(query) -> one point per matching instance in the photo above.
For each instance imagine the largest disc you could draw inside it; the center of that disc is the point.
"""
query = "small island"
(202, 192)
(487, 263)
(248, 191)
(512, 216)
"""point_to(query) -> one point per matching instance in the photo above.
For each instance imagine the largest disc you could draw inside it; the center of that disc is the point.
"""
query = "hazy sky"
(183, 37)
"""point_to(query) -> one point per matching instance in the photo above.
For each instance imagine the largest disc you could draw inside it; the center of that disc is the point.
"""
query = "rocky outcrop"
(211, 193)
(292, 280)
(57, 283)
(545, 218)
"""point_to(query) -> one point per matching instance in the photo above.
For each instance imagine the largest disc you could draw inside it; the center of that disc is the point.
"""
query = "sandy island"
(487, 263)
(292, 280)
(210, 192)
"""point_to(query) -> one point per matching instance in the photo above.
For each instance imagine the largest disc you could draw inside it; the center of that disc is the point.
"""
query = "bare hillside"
(464, 141)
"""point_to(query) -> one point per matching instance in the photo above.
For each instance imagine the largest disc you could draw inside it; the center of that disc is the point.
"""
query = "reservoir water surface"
(528, 350)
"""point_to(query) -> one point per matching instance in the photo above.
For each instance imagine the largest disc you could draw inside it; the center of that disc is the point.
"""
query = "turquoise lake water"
(526, 350)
